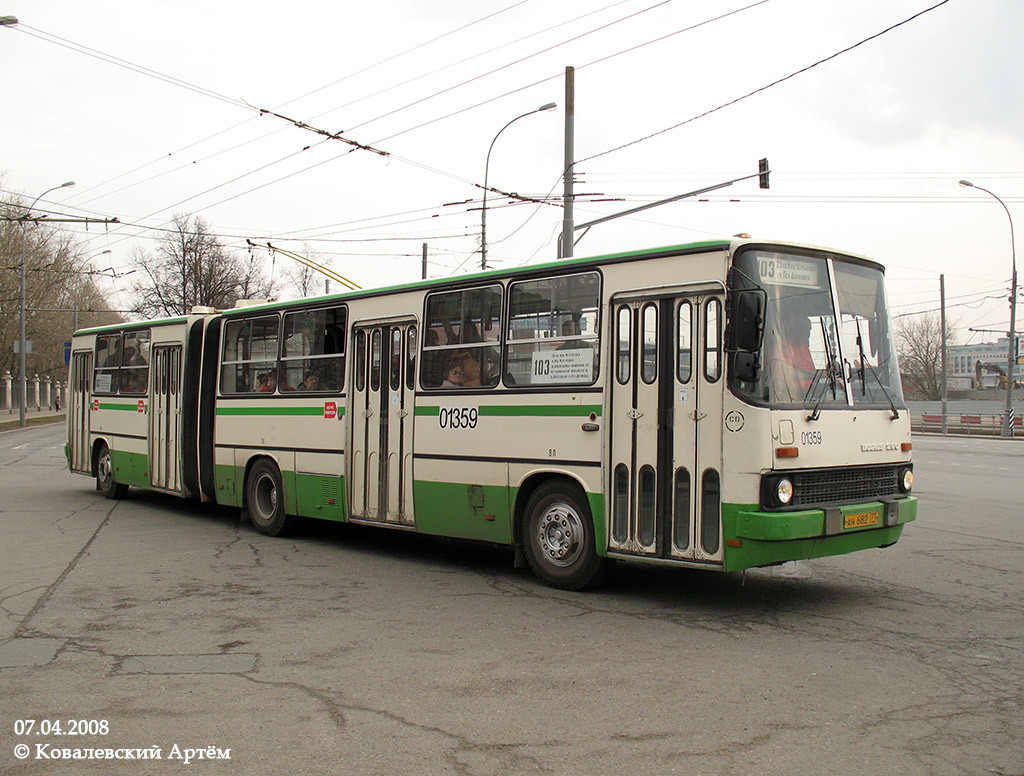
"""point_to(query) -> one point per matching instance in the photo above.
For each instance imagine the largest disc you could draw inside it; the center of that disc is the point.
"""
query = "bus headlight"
(784, 491)
(907, 480)
(778, 491)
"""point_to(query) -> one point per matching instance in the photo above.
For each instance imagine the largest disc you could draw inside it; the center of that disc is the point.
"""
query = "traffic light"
(762, 169)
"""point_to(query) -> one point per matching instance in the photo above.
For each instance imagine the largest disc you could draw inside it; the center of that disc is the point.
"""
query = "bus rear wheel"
(558, 538)
(105, 482)
(264, 498)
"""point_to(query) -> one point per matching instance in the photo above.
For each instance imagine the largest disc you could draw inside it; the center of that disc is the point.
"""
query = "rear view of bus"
(816, 433)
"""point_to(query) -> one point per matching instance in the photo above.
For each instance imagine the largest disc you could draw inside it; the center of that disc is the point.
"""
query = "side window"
(713, 340)
(134, 377)
(313, 350)
(461, 332)
(108, 359)
(360, 367)
(375, 359)
(396, 358)
(249, 356)
(410, 355)
(684, 341)
(623, 332)
(649, 321)
(553, 335)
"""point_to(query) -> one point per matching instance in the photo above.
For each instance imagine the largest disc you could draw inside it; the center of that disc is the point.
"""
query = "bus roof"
(611, 258)
(581, 263)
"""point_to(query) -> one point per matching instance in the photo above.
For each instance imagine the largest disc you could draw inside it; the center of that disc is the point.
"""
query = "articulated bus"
(721, 405)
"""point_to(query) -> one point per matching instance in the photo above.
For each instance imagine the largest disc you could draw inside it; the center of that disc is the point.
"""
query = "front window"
(313, 349)
(827, 339)
(553, 331)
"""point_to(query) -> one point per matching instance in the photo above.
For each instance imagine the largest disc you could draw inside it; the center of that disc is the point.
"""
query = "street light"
(22, 345)
(487, 169)
(1011, 355)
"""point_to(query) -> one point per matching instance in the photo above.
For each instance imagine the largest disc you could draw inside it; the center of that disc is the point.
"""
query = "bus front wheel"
(105, 482)
(264, 498)
(558, 538)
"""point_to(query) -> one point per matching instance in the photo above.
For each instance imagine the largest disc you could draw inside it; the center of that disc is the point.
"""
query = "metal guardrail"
(971, 425)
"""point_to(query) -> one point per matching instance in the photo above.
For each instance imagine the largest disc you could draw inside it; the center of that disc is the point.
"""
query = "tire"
(264, 498)
(558, 538)
(105, 482)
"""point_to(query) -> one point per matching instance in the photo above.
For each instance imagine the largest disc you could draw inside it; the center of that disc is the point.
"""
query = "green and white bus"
(640, 406)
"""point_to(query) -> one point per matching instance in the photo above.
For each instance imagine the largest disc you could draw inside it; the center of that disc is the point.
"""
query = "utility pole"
(942, 323)
(565, 248)
(23, 344)
(424, 271)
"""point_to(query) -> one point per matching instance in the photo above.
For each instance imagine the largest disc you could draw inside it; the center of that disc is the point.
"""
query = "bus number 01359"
(458, 417)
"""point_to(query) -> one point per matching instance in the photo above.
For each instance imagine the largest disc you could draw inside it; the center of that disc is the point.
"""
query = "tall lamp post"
(22, 345)
(487, 169)
(1011, 356)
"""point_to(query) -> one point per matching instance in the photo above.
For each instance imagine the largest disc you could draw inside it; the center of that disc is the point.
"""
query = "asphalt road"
(173, 627)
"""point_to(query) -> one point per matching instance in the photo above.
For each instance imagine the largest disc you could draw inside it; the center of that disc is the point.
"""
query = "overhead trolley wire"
(485, 102)
(765, 87)
(555, 76)
(80, 48)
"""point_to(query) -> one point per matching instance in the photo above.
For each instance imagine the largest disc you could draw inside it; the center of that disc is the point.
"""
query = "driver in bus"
(794, 365)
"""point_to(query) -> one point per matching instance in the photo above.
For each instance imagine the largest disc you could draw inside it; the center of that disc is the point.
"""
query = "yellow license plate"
(860, 520)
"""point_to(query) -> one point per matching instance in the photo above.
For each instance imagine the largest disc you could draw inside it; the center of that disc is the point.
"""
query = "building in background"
(965, 372)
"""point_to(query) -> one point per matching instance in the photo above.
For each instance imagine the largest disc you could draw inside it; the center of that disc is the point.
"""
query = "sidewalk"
(11, 421)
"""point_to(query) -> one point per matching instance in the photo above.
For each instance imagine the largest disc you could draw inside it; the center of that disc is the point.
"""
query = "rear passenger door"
(381, 427)
(164, 411)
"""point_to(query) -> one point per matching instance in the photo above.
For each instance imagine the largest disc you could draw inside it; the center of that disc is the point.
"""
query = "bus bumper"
(756, 538)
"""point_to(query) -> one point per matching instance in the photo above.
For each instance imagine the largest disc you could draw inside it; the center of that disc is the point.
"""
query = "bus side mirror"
(746, 324)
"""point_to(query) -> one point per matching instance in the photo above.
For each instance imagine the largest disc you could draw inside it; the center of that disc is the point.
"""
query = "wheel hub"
(266, 497)
(104, 467)
(560, 532)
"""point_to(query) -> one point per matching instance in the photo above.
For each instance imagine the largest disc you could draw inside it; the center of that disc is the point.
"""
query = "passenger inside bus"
(571, 331)
(310, 382)
(455, 375)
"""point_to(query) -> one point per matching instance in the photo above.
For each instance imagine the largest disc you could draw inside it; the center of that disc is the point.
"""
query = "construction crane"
(980, 367)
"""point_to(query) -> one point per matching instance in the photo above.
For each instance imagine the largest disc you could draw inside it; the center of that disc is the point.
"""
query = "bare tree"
(919, 347)
(307, 280)
(191, 267)
(57, 286)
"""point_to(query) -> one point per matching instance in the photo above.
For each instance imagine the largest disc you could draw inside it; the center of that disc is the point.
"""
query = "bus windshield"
(827, 339)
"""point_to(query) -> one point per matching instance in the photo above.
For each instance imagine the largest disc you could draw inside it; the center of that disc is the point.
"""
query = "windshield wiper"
(885, 392)
(830, 372)
(860, 350)
(874, 373)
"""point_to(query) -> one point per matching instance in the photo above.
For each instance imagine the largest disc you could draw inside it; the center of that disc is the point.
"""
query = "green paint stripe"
(310, 411)
(123, 407)
(538, 410)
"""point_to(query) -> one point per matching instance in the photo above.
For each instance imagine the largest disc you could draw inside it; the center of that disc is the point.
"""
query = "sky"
(158, 108)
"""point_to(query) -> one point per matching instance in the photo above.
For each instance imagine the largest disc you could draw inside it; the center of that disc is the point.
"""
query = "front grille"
(849, 484)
